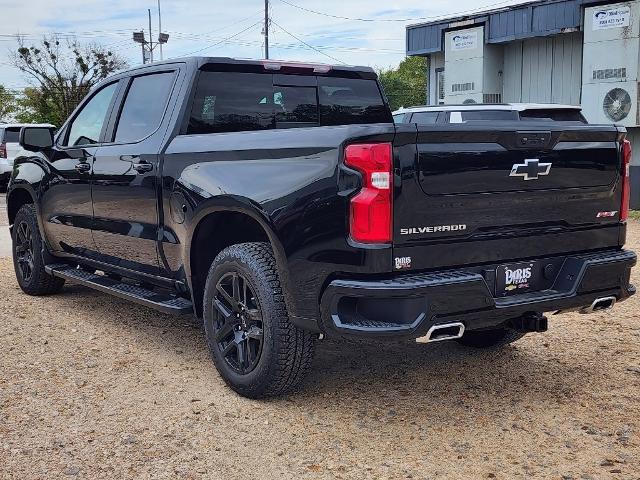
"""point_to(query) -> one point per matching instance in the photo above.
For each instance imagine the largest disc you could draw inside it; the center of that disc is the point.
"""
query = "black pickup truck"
(279, 203)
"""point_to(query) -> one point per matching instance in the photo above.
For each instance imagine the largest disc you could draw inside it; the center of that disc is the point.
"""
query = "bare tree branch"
(64, 72)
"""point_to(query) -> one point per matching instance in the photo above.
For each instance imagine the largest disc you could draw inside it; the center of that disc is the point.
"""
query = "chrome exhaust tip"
(445, 331)
(599, 304)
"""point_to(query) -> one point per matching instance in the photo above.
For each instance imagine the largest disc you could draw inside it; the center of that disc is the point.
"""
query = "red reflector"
(626, 182)
(371, 208)
(3, 150)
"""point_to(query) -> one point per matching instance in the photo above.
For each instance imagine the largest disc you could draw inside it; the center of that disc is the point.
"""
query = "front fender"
(28, 175)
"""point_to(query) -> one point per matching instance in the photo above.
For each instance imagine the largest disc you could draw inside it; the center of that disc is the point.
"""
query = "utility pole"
(150, 37)
(148, 46)
(160, 29)
(266, 29)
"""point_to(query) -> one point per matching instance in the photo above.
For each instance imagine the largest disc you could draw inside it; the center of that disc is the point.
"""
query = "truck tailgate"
(485, 192)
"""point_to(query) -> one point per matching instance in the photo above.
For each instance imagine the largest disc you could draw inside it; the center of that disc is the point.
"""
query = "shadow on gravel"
(423, 381)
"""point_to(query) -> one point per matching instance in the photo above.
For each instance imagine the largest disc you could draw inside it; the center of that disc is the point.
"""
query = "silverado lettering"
(441, 228)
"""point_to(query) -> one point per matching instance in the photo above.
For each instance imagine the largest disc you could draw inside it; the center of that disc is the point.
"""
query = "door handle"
(82, 167)
(142, 166)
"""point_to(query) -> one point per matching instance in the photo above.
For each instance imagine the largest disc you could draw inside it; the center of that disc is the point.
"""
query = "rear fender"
(246, 207)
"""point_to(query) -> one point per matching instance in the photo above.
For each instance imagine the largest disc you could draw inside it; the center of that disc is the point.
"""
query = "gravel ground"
(92, 387)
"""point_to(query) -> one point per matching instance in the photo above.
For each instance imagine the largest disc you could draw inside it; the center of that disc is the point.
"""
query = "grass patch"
(634, 214)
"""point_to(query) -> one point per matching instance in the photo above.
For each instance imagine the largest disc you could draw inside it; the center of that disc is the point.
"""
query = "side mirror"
(36, 139)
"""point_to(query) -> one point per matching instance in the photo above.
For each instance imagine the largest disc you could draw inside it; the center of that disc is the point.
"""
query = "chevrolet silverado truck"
(278, 203)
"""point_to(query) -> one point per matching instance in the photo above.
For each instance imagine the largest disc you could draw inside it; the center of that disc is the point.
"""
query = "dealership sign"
(464, 41)
(611, 18)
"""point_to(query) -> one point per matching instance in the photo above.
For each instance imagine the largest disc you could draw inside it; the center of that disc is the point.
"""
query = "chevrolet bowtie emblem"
(531, 169)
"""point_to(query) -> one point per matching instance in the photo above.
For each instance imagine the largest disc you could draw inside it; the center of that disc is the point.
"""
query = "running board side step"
(163, 302)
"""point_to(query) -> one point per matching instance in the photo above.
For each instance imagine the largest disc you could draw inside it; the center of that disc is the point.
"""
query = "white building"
(577, 52)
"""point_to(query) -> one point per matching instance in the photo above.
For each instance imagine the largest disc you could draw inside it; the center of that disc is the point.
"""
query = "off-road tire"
(40, 282)
(491, 339)
(286, 352)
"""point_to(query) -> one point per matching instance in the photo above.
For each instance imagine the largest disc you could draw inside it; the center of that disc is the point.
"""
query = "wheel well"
(16, 200)
(213, 234)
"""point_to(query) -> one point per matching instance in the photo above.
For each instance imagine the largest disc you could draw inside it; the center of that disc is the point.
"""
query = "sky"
(229, 28)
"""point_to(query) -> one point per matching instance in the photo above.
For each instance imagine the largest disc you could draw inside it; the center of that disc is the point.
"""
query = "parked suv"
(279, 203)
(437, 114)
(9, 147)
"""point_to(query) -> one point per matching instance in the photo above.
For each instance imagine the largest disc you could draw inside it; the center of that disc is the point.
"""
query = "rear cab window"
(240, 101)
(347, 101)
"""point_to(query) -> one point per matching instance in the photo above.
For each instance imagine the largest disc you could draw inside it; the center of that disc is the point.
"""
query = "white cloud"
(194, 25)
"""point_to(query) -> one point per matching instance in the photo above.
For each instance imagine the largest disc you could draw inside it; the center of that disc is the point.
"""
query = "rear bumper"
(408, 305)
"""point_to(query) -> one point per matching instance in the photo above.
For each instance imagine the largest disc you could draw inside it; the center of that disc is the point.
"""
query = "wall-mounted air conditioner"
(610, 65)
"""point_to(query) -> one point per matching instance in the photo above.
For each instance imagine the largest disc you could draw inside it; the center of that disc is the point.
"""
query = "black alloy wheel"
(254, 345)
(24, 250)
(28, 255)
(238, 324)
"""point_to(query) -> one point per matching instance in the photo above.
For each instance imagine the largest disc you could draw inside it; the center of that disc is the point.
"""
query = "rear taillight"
(371, 209)
(3, 150)
(626, 183)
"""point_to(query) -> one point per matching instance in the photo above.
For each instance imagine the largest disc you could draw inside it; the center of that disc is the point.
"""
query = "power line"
(205, 34)
(415, 19)
(223, 40)
(305, 43)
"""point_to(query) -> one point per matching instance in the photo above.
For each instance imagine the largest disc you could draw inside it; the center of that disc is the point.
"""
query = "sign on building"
(611, 18)
(464, 41)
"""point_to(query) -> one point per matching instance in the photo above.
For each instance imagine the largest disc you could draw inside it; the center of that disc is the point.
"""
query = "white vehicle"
(430, 115)
(9, 146)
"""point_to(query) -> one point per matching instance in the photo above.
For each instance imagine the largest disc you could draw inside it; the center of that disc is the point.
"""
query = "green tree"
(62, 74)
(35, 107)
(406, 85)
(7, 103)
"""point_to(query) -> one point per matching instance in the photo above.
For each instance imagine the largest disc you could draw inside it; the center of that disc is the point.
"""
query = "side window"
(11, 135)
(425, 118)
(399, 117)
(144, 106)
(86, 127)
(232, 102)
(296, 106)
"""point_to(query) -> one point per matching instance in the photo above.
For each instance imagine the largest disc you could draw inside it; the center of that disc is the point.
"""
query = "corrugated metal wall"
(567, 69)
(537, 19)
(536, 70)
(545, 70)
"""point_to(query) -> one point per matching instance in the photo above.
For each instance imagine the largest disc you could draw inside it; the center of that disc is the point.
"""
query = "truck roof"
(274, 65)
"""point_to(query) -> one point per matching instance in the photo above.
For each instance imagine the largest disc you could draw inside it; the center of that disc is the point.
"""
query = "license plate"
(517, 278)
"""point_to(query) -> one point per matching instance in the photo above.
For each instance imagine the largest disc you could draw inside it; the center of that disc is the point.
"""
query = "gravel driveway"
(92, 387)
